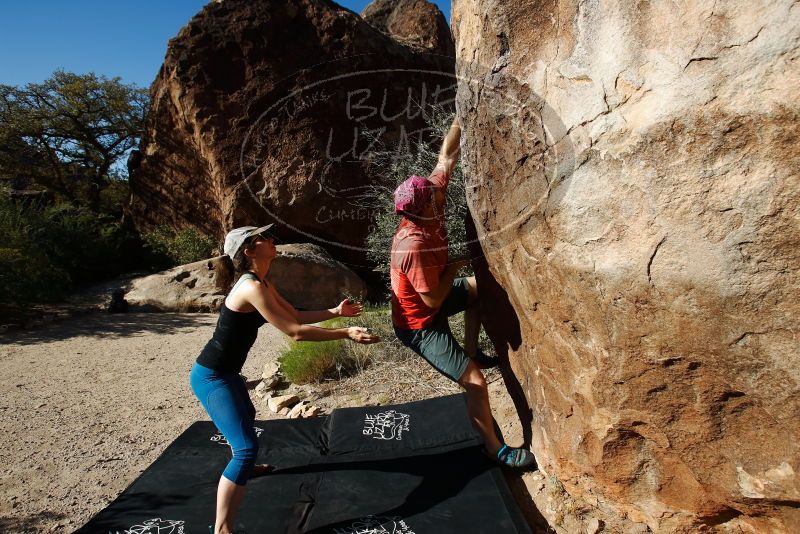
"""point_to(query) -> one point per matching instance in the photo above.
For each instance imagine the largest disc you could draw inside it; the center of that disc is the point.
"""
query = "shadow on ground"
(526, 504)
(29, 523)
(102, 326)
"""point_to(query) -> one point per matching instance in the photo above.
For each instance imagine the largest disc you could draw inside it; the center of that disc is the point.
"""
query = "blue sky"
(110, 37)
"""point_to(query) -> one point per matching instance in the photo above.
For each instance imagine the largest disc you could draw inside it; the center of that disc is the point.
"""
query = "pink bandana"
(412, 194)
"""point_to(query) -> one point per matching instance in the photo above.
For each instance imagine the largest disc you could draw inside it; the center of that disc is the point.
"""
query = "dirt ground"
(89, 402)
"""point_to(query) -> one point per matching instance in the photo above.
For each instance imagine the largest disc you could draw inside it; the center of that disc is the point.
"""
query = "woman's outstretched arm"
(346, 308)
(268, 305)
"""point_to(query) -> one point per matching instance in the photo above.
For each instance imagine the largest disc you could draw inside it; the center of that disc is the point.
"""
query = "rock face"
(414, 22)
(195, 287)
(634, 181)
(308, 277)
(267, 111)
(304, 274)
(276, 404)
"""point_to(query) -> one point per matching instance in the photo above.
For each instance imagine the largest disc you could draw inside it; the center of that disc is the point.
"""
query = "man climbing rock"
(425, 292)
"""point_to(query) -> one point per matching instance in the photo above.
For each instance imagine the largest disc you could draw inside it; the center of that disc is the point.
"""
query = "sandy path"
(87, 404)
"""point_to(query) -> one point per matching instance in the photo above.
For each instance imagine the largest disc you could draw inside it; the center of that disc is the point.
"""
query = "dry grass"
(305, 362)
(388, 372)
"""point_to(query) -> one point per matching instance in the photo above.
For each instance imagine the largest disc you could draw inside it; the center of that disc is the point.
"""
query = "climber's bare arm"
(451, 149)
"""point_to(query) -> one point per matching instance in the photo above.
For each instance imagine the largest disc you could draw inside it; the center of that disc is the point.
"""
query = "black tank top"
(233, 337)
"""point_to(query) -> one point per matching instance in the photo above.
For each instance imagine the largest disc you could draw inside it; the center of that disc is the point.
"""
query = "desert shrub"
(357, 357)
(87, 245)
(65, 140)
(168, 247)
(114, 197)
(395, 165)
(391, 372)
(26, 273)
(47, 250)
(313, 361)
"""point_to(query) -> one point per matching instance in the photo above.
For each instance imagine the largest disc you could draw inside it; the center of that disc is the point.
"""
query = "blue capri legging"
(225, 398)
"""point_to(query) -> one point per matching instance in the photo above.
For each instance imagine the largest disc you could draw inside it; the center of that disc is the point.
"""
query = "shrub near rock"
(305, 361)
(46, 251)
(168, 247)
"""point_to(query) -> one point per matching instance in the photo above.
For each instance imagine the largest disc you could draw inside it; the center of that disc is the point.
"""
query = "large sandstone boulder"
(267, 111)
(195, 287)
(306, 275)
(415, 22)
(633, 176)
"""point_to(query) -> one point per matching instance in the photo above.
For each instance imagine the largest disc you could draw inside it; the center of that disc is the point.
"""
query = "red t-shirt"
(419, 256)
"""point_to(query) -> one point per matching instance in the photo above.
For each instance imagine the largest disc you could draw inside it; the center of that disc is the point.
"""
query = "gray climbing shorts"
(436, 343)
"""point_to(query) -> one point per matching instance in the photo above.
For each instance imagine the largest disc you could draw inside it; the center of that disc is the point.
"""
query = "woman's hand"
(348, 308)
(359, 334)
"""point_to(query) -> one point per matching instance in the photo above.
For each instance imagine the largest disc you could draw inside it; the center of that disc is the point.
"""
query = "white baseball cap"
(236, 237)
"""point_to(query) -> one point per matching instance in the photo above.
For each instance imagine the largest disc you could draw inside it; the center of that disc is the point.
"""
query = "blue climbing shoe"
(515, 457)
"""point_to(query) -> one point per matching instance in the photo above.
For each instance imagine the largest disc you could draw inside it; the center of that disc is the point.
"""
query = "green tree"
(68, 134)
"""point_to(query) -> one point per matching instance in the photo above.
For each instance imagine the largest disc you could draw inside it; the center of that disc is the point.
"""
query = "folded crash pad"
(402, 469)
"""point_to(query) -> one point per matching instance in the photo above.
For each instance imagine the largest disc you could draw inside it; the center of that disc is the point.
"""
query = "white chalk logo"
(386, 425)
(378, 124)
(376, 525)
(219, 438)
(155, 526)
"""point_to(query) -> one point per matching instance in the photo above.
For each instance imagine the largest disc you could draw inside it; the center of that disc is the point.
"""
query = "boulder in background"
(267, 112)
(304, 274)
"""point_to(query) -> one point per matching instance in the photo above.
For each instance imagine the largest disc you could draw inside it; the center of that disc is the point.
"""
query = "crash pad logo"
(219, 438)
(376, 525)
(386, 425)
(155, 526)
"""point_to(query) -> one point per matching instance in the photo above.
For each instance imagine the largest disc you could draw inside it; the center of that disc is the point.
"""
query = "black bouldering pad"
(404, 469)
